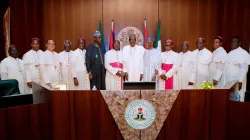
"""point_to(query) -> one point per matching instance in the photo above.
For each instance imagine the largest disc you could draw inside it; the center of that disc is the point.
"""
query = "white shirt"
(133, 62)
(113, 64)
(201, 60)
(217, 67)
(50, 67)
(151, 62)
(12, 68)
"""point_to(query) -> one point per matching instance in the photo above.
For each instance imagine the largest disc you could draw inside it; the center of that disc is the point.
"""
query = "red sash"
(116, 65)
(169, 84)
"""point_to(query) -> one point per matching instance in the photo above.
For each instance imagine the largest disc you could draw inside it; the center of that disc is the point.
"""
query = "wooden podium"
(84, 115)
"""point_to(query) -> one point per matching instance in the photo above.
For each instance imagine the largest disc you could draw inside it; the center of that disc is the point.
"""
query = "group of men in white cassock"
(93, 68)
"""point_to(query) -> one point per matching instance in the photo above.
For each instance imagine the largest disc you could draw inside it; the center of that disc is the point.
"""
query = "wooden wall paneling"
(72, 116)
(36, 133)
(18, 120)
(60, 115)
(26, 23)
(44, 121)
(85, 118)
(129, 13)
(234, 20)
(40, 128)
(238, 121)
(105, 125)
(187, 20)
(170, 127)
(3, 125)
(71, 20)
(94, 116)
(218, 120)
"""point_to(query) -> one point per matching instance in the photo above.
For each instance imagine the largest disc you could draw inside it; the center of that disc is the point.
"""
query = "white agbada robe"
(217, 67)
(236, 70)
(66, 69)
(79, 70)
(113, 64)
(169, 58)
(12, 68)
(133, 62)
(200, 63)
(31, 62)
(151, 62)
(50, 68)
(184, 70)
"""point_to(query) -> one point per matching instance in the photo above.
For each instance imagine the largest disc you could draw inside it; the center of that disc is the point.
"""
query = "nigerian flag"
(100, 29)
(158, 37)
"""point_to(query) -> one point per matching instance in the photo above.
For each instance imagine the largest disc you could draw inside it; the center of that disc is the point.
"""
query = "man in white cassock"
(184, 66)
(50, 65)
(31, 62)
(13, 68)
(114, 68)
(133, 60)
(79, 71)
(201, 59)
(151, 61)
(169, 66)
(66, 65)
(217, 66)
(236, 68)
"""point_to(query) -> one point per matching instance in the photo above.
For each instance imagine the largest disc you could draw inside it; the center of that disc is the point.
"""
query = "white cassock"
(151, 62)
(236, 70)
(217, 67)
(79, 70)
(133, 62)
(200, 62)
(31, 63)
(66, 69)
(113, 64)
(50, 68)
(12, 68)
(184, 70)
(169, 67)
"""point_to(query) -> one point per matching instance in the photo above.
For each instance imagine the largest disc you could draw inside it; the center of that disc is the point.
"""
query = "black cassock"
(95, 65)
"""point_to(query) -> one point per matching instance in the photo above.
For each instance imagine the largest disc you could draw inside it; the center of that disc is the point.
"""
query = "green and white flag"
(158, 37)
(100, 29)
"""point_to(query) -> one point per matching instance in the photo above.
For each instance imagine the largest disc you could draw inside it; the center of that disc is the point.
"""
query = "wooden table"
(84, 115)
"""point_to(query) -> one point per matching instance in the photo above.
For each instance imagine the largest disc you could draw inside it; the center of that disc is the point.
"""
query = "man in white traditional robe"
(201, 59)
(184, 66)
(169, 66)
(114, 68)
(13, 68)
(133, 60)
(217, 66)
(66, 66)
(31, 62)
(151, 61)
(236, 68)
(50, 65)
(79, 71)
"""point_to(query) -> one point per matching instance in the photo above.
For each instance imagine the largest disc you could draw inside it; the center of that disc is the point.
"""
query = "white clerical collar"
(115, 50)
(12, 57)
(34, 51)
(151, 49)
(67, 52)
(50, 51)
(168, 51)
(81, 50)
(185, 52)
